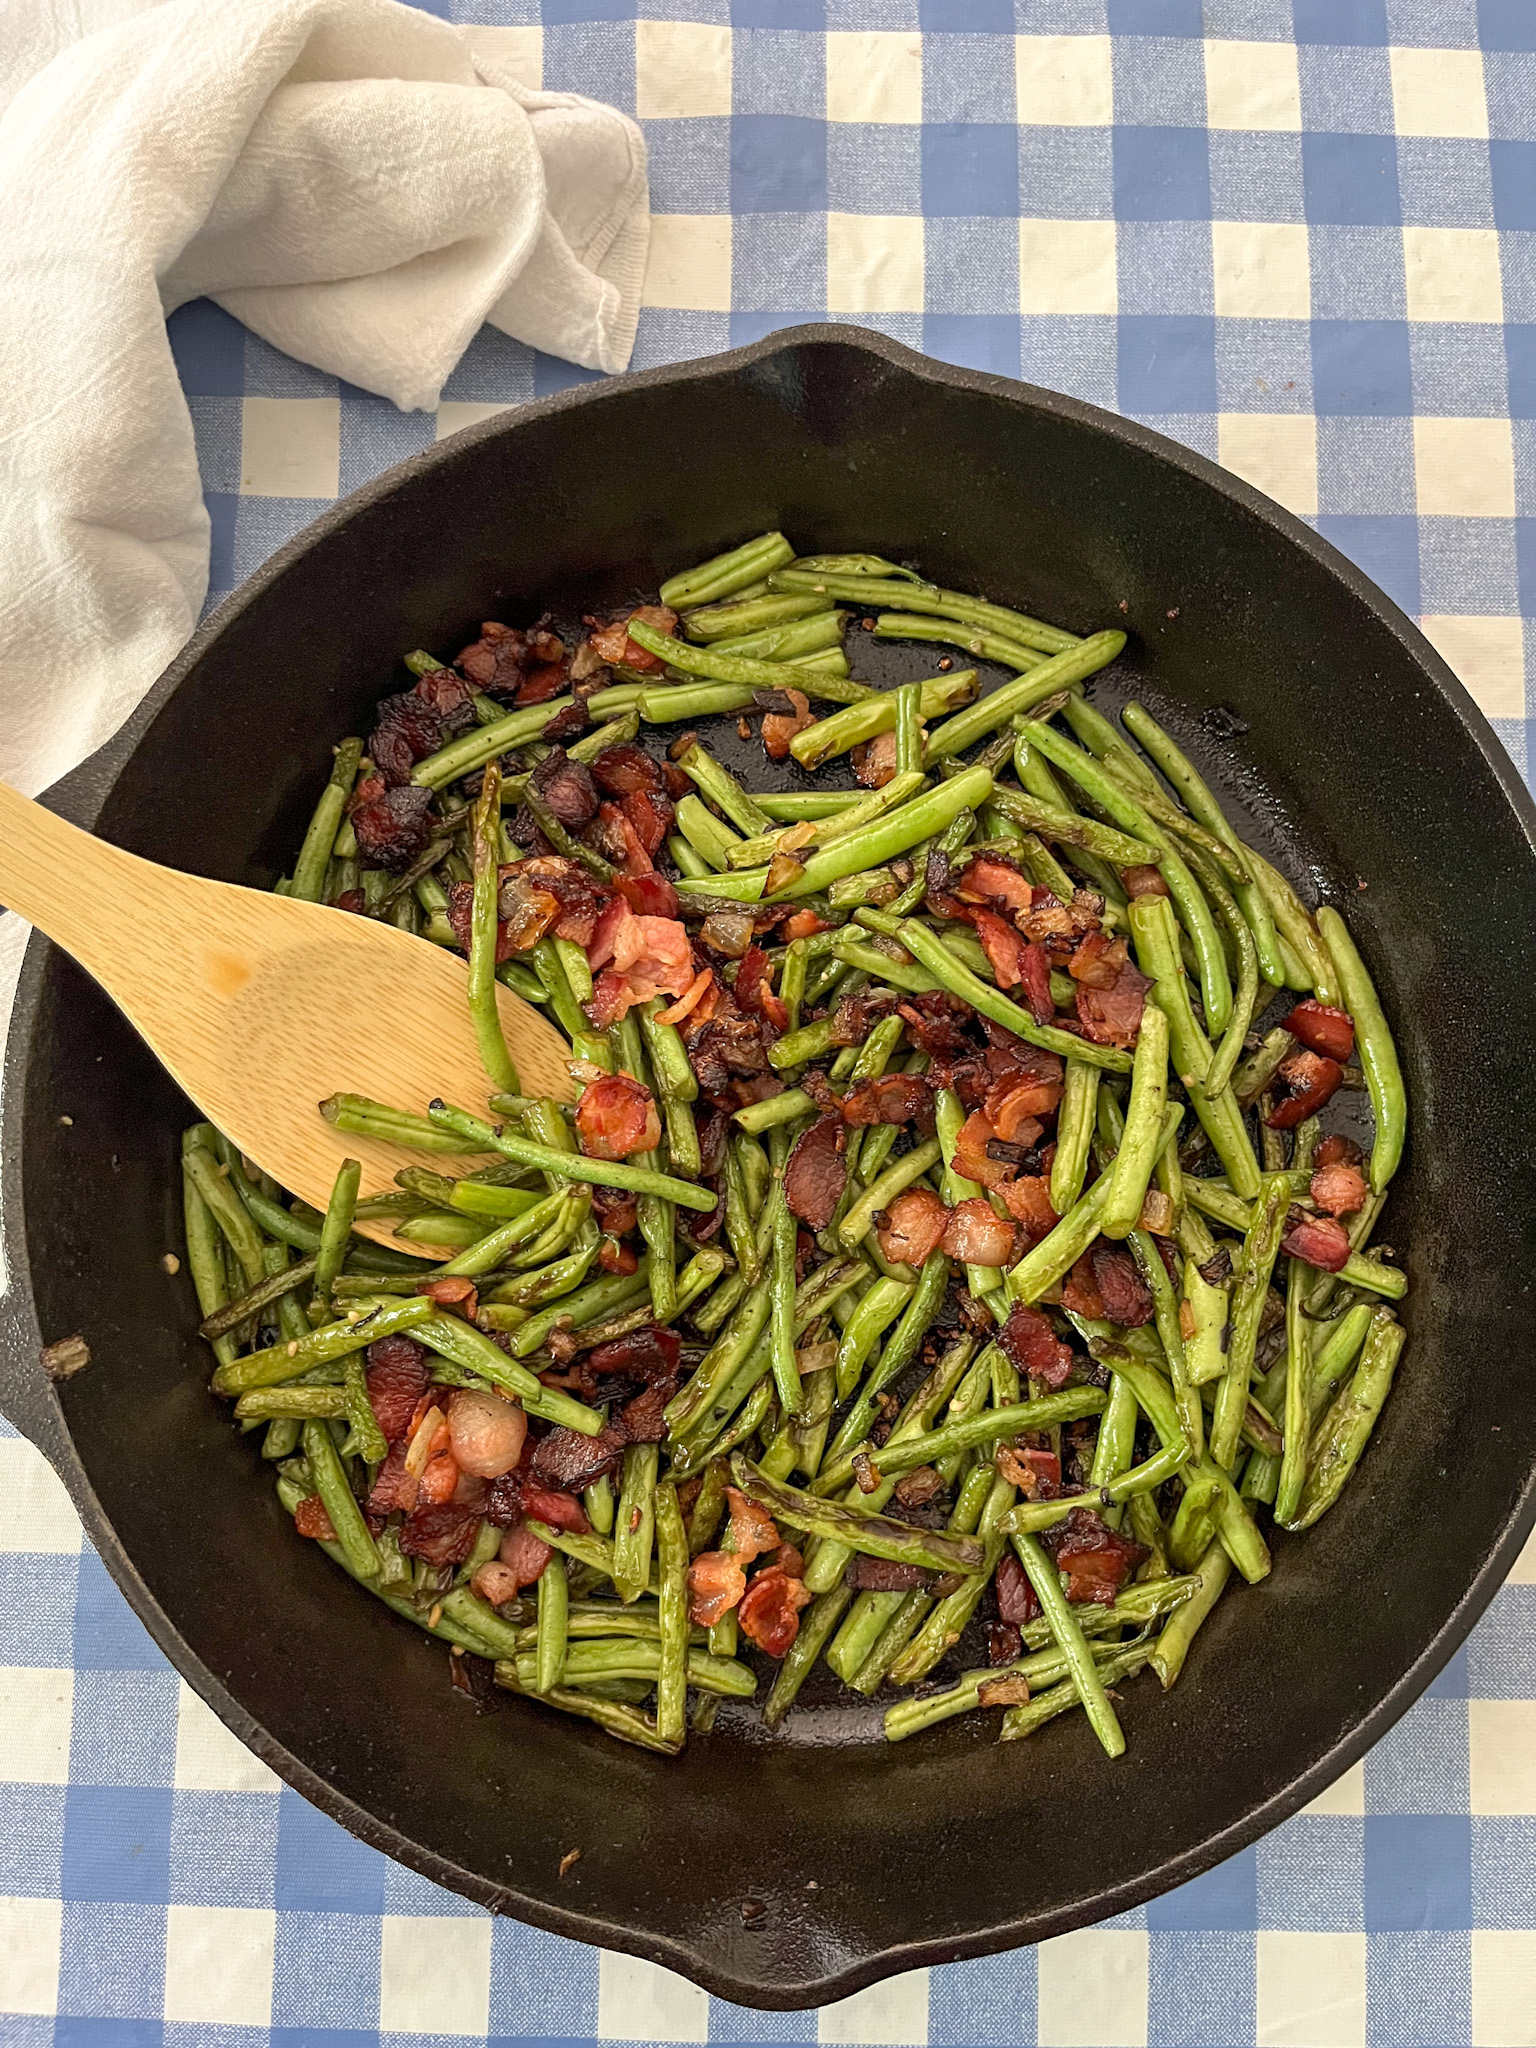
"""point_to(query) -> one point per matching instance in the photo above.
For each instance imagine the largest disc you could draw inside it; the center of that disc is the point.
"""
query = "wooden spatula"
(260, 1006)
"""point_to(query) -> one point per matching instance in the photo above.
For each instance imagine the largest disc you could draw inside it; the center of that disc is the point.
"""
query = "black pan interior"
(1364, 770)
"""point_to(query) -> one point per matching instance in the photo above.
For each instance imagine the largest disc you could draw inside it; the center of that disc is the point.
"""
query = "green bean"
(613, 1717)
(873, 1535)
(461, 1343)
(1208, 1306)
(366, 1118)
(1066, 828)
(1063, 671)
(1295, 926)
(1260, 1248)
(893, 834)
(672, 1560)
(1377, 1053)
(982, 1431)
(596, 1552)
(879, 1195)
(475, 749)
(484, 1014)
(1178, 1632)
(909, 730)
(931, 953)
(214, 1182)
(551, 1652)
(1298, 1363)
(1201, 804)
(589, 1304)
(752, 615)
(1142, 1138)
(288, 1361)
(903, 593)
(1129, 813)
(1057, 1252)
(781, 1296)
(880, 1306)
(291, 1403)
(725, 575)
(1072, 1643)
(634, 1524)
(950, 632)
(722, 788)
(853, 565)
(789, 644)
(352, 1537)
(1344, 1431)
(205, 1261)
(335, 1236)
(816, 1626)
(282, 1281)
(1338, 1352)
(314, 855)
(890, 797)
(876, 714)
(692, 866)
(1074, 1131)
(598, 1501)
(1246, 997)
(484, 1137)
(1155, 935)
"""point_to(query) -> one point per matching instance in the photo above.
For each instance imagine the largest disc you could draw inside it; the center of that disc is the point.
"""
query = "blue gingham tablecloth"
(1299, 235)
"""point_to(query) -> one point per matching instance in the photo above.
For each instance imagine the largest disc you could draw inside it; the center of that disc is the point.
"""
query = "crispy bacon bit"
(891, 1099)
(754, 990)
(1341, 1190)
(803, 924)
(1004, 1643)
(753, 1530)
(1112, 1015)
(1322, 1028)
(1126, 1296)
(883, 1575)
(1004, 947)
(620, 771)
(865, 1471)
(1096, 1559)
(1016, 1601)
(544, 680)
(690, 999)
(496, 1582)
(991, 879)
(311, 1519)
(453, 1291)
(568, 724)
(972, 1159)
(525, 909)
(716, 1583)
(555, 1508)
(615, 1117)
(397, 1377)
(409, 729)
(643, 1418)
(919, 1486)
(567, 789)
(1028, 1201)
(449, 696)
(648, 895)
(1006, 1690)
(1310, 1080)
(1143, 881)
(976, 1234)
(569, 1461)
(1034, 1348)
(769, 1612)
(780, 727)
(393, 1487)
(874, 761)
(1018, 1067)
(614, 1257)
(648, 956)
(789, 1561)
(1157, 1213)
(913, 1225)
(816, 1174)
(1097, 961)
(1035, 974)
(650, 1353)
(649, 811)
(1320, 1241)
(494, 662)
(524, 1555)
(441, 1532)
(613, 644)
(1337, 1151)
(392, 825)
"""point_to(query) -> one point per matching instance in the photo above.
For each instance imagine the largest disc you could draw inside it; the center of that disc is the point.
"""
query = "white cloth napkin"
(360, 183)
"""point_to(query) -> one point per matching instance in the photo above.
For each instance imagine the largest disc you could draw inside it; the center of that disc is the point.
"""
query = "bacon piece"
(650, 1353)
(454, 1292)
(874, 761)
(613, 643)
(976, 1234)
(494, 662)
(1341, 1190)
(891, 1099)
(1112, 1016)
(753, 1530)
(1061, 924)
(1080, 1291)
(991, 879)
(1320, 1241)
(1004, 947)
(754, 993)
(1097, 962)
(392, 825)
(439, 1478)
(620, 771)
(913, 1225)
(566, 787)
(1143, 881)
(780, 727)
(497, 1583)
(614, 1257)
(1016, 1601)
(884, 1575)
(716, 1583)
(1096, 1559)
(615, 1117)
(1336, 1150)
(556, 1508)
(1035, 974)
(1029, 1081)
(1310, 1080)
(409, 728)
(1035, 1472)
(524, 1555)
(649, 811)
(643, 1418)
(1322, 1028)
(569, 1461)
(649, 895)
(1032, 1346)
(1028, 1202)
(441, 1532)
(310, 1519)
(1126, 1296)
(690, 999)
(769, 1610)
(393, 1487)
(802, 924)
(935, 1023)
(397, 1376)
(972, 1159)
(817, 1173)
(649, 955)
(449, 696)
(616, 938)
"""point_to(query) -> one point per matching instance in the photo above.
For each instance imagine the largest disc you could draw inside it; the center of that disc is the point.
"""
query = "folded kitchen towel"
(360, 183)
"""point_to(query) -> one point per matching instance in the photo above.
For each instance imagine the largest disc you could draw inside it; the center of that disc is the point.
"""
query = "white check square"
(1276, 452)
(1344, 1799)
(1503, 1988)
(209, 1758)
(1453, 274)
(889, 2015)
(36, 1514)
(435, 1974)
(1092, 1989)
(1503, 1745)
(1464, 468)
(36, 1723)
(689, 263)
(218, 1964)
(1064, 81)
(875, 75)
(682, 70)
(874, 263)
(1310, 1990)
(290, 448)
(1488, 654)
(640, 2001)
(30, 1932)
(454, 413)
(1439, 92)
(1068, 266)
(1252, 85)
(1260, 270)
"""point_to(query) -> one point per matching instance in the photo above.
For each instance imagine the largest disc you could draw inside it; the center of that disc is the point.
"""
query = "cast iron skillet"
(868, 1860)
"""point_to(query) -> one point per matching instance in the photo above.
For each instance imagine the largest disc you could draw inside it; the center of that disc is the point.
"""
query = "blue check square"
(978, 341)
(1225, 1897)
(1506, 24)
(970, 167)
(1362, 366)
(1512, 166)
(1341, 21)
(1418, 1871)
(1167, 364)
(778, 164)
(117, 1842)
(1385, 545)
(320, 1867)
(208, 346)
(1351, 179)
(1162, 174)
(1200, 1989)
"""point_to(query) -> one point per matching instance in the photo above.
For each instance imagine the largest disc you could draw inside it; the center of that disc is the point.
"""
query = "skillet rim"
(34, 1408)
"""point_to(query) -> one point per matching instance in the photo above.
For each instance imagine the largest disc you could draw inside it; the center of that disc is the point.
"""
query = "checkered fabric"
(1299, 235)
